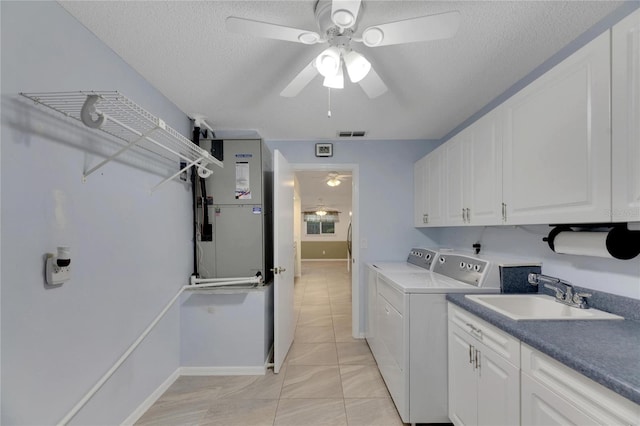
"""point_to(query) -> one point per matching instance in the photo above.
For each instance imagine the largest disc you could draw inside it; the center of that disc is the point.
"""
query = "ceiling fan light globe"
(357, 66)
(321, 212)
(343, 18)
(333, 182)
(328, 62)
(308, 38)
(335, 81)
(372, 36)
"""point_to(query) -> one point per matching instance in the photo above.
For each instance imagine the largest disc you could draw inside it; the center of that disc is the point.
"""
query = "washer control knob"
(477, 268)
(442, 260)
(469, 266)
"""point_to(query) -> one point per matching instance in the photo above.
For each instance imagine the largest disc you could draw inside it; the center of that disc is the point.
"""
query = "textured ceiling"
(183, 49)
(313, 189)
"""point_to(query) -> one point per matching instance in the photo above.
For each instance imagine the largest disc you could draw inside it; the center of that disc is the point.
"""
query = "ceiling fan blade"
(372, 84)
(425, 28)
(300, 81)
(274, 31)
(344, 13)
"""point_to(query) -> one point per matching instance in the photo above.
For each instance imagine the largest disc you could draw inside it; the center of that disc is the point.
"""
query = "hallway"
(328, 378)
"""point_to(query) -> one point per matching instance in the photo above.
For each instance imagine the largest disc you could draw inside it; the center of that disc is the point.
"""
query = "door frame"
(356, 295)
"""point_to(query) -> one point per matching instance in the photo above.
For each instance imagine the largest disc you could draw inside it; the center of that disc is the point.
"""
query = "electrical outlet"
(56, 274)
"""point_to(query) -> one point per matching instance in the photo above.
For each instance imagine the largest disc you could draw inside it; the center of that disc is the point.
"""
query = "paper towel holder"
(621, 243)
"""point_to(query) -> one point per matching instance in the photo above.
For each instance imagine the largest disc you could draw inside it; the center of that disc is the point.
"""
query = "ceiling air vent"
(352, 134)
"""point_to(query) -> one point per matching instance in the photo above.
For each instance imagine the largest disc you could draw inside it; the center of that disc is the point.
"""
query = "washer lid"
(411, 282)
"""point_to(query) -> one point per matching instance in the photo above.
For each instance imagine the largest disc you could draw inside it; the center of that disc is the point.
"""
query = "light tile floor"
(328, 378)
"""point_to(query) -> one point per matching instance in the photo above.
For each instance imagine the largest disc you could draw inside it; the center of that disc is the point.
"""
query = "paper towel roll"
(582, 243)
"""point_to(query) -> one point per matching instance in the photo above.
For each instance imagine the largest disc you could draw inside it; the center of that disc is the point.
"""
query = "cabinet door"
(484, 169)
(557, 143)
(420, 193)
(542, 407)
(625, 123)
(463, 398)
(498, 390)
(455, 182)
(434, 187)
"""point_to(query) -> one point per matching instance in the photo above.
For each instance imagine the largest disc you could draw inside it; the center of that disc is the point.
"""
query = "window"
(321, 224)
(320, 228)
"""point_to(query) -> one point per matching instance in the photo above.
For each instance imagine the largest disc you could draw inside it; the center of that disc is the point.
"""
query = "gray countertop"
(606, 351)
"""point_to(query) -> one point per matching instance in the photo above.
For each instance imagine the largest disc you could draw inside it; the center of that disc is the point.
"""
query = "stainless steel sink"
(536, 307)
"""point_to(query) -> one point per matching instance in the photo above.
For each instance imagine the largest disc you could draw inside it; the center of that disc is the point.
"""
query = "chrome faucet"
(564, 295)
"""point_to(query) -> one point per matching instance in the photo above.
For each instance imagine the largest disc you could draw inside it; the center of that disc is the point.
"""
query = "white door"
(283, 257)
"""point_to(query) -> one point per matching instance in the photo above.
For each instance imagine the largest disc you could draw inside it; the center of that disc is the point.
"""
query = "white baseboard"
(190, 371)
(223, 371)
(325, 260)
(151, 399)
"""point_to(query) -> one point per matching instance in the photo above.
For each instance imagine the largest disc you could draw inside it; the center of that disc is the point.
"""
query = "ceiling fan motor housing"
(326, 23)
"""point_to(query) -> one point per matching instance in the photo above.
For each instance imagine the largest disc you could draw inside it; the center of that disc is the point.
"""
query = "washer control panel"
(422, 257)
(468, 269)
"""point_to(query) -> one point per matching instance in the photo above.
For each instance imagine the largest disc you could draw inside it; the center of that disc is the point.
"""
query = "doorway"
(312, 235)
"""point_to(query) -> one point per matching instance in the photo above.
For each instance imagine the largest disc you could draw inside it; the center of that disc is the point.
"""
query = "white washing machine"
(408, 330)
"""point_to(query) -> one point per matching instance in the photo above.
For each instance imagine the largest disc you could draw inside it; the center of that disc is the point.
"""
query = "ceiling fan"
(337, 21)
(320, 209)
(335, 179)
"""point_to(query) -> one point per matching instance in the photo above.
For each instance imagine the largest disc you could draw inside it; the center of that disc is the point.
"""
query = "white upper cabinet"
(420, 192)
(473, 184)
(456, 193)
(625, 115)
(435, 187)
(428, 185)
(484, 171)
(557, 143)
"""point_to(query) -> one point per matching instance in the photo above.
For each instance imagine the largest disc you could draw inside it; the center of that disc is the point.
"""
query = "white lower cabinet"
(542, 407)
(494, 379)
(484, 385)
(553, 394)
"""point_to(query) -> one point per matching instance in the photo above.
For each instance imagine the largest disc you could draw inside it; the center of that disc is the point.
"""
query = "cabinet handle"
(475, 331)
(427, 217)
(477, 359)
(468, 215)
(471, 349)
(504, 212)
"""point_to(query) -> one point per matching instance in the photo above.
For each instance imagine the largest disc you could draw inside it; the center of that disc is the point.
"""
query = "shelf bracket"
(118, 153)
(196, 162)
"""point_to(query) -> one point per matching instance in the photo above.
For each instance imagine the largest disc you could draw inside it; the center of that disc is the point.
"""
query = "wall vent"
(352, 134)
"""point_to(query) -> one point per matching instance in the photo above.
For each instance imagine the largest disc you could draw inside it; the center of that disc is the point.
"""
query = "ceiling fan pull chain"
(329, 102)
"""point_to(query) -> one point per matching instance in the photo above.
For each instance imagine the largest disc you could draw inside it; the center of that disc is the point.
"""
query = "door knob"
(278, 270)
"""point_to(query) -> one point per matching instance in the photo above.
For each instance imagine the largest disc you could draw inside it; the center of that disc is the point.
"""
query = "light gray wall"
(615, 276)
(130, 251)
(386, 193)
